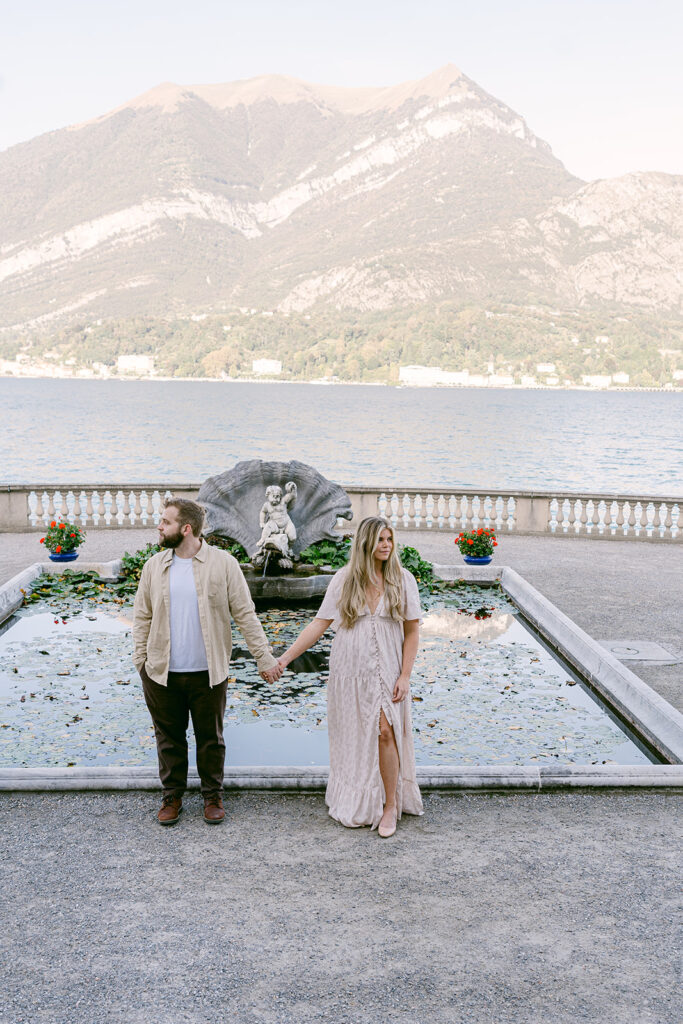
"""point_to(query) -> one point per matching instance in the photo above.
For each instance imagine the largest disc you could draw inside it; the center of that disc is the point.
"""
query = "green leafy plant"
(334, 553)
(227, 544)
(423, 571)
(132, 565)
(63, 536)
(70, 589)
(478, 543)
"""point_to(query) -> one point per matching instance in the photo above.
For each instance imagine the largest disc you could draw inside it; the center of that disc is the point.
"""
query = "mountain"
(280, 195)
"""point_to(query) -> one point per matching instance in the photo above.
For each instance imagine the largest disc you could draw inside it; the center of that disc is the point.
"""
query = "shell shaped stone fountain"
(234, 502)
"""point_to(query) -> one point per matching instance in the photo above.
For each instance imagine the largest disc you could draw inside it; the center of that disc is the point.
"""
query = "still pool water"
(484, 691)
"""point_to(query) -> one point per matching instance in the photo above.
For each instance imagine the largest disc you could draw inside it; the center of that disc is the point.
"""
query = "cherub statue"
(277, 529)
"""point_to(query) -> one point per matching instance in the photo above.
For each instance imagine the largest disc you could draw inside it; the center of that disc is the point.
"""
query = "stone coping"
(632, 699)
(295, 778)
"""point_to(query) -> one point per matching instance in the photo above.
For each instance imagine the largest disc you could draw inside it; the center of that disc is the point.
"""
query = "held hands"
(274, 673)
(401, 689)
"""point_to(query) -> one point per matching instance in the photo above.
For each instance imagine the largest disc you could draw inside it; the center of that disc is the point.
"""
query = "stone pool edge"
(635, 700)
(300, 778)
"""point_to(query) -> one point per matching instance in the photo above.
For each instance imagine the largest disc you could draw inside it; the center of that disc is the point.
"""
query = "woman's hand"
(401, 689)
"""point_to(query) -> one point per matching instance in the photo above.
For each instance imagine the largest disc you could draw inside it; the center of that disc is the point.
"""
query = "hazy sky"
(600, 80)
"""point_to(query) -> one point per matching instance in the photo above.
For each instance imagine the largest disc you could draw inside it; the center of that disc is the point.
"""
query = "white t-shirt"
(188, 653)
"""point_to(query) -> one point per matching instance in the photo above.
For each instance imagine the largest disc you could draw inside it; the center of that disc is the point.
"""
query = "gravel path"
(513, 909)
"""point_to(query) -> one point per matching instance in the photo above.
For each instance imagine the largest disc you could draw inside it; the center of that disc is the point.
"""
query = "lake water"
(83, 431)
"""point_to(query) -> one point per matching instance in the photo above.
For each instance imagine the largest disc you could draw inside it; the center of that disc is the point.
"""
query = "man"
(182, 645)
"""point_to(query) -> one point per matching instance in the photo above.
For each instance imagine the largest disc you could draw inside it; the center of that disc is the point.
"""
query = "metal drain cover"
(640, 650)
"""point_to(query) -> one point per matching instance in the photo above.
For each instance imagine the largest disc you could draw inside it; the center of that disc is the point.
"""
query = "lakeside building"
(428, 376)
(596, 380)
(135, 364)
(271, 367)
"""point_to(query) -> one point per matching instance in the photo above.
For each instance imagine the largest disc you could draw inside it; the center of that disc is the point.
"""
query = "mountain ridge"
(275, 193)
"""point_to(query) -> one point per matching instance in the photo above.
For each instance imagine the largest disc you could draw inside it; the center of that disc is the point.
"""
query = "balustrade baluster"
(51, 511)
(469, 514)
(114, 509)
(77, 506)
(98, 496)
(40, 508)
(407, 508)
(392, 509)
(142, 507)
(89, 510)
(556, 515)
(583, 516)
(126, 508)
(668, 522)
(620, 518)
(631, 516)
(453, 511)
(440, 510)
(643, 522)
(657, 520)
(429, 511)
(595, 516)
(417, 504)
(511, 514)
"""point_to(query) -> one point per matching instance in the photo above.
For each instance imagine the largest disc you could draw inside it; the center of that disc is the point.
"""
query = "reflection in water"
(451, 624)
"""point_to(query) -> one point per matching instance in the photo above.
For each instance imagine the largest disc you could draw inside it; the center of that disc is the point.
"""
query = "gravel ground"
(508, 908)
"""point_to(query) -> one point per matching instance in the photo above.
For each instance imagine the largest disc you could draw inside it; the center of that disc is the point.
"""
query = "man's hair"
(189, 513)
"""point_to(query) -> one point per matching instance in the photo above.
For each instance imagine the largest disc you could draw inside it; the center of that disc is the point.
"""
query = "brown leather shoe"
(213, 810)
(171, 806)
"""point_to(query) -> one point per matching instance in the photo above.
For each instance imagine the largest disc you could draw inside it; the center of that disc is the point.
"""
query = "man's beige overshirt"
(222, 592)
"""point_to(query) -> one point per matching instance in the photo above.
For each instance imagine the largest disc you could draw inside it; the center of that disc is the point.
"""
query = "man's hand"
(272, 675)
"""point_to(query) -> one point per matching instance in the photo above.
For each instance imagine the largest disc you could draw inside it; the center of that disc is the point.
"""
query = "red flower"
(58, 548)
(470, 542)
(62, 526)
(53, 523)
(479, 532)
(42, 540)
(495, 543)
(72, 534)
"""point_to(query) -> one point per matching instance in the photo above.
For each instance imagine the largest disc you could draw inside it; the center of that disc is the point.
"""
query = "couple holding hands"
(188, 593)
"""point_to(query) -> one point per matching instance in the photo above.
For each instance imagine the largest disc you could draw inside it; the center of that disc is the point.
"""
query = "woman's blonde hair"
(361, 572)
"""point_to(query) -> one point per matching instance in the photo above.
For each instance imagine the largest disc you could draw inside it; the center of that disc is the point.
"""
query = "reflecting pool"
(485, 690)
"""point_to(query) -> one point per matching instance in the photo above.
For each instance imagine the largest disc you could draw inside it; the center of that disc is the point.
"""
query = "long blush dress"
(365, 662)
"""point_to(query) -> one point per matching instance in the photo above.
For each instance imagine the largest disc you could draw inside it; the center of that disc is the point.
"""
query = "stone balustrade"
(26, 507)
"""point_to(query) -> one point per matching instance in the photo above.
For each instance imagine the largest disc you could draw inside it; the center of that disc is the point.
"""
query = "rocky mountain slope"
(276, 194)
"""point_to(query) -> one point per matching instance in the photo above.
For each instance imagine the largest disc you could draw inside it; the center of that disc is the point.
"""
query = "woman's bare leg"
(388, 769)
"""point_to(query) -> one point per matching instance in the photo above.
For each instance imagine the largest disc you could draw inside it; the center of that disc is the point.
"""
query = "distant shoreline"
(339, 383)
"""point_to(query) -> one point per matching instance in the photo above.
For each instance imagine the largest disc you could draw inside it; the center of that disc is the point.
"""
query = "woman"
(374, 606)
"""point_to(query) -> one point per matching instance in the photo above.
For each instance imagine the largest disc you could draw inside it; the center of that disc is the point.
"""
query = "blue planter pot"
(473, 560)
(64, 556)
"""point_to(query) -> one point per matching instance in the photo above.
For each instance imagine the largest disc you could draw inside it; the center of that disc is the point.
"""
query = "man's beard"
(174, 541)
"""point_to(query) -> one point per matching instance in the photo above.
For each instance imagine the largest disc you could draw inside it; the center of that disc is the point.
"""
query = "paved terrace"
(520, 908)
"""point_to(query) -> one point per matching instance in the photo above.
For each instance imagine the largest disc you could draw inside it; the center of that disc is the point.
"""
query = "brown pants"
(188, 694)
